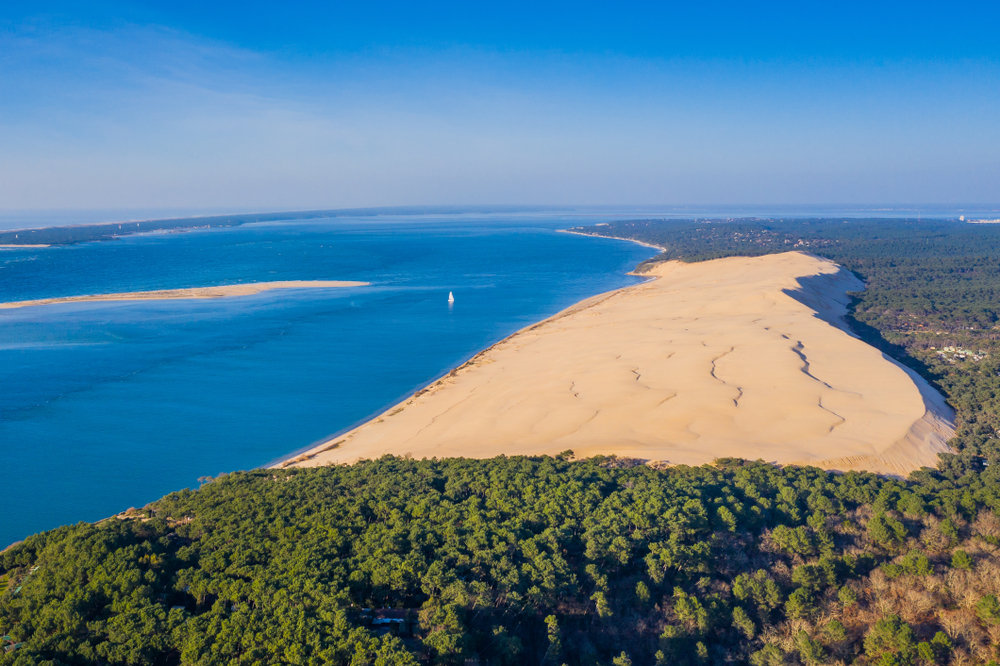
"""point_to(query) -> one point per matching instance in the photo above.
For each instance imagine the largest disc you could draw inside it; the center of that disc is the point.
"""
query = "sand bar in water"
(194, 292)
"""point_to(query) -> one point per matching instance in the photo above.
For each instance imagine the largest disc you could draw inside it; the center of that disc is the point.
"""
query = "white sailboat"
(451, 297)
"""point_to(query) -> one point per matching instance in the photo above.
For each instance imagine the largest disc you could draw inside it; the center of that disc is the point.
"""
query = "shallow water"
(109, 405)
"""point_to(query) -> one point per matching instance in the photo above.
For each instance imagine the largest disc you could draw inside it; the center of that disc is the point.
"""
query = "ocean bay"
(109, 405)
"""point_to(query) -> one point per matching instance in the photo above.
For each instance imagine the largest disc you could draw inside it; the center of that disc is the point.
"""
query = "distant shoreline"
(630, 240)
(248, 289)
(103, 231)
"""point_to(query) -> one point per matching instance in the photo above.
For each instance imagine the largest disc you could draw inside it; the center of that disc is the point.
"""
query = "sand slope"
(733, 357)
(194, 292)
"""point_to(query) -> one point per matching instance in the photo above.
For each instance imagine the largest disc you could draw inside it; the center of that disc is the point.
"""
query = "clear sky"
(256, 105)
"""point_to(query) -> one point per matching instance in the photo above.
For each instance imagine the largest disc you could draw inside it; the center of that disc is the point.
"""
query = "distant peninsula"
(248, 289)
(102, 231)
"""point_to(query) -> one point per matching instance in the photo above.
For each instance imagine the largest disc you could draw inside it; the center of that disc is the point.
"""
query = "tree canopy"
(509, 560)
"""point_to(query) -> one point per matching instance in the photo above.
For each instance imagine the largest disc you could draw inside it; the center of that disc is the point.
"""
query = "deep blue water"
(109, 405)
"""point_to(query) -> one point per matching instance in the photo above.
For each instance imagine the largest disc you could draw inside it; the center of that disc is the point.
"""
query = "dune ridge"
(745, 357)
(248, 289)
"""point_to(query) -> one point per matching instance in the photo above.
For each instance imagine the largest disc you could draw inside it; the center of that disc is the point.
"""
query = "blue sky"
(257, 105)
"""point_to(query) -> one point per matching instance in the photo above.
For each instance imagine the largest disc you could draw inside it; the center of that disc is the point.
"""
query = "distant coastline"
(103, 231)
(69, 234)
(630, 240)
(248, 289)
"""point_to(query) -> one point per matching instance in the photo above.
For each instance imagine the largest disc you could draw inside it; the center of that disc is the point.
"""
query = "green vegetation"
(554, 561)
(522, 560)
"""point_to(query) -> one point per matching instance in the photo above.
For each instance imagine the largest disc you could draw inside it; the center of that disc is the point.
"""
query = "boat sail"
(451, 297)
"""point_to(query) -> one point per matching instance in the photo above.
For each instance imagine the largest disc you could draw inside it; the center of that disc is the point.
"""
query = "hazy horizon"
(38, 218)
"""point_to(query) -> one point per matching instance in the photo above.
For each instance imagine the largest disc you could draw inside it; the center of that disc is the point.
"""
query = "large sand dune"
(742, 357)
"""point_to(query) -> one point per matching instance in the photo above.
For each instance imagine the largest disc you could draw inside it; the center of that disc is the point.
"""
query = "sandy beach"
(195, 292)
(745, 357)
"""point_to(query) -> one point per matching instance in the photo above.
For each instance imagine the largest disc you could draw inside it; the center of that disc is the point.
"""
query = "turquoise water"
(109, 405)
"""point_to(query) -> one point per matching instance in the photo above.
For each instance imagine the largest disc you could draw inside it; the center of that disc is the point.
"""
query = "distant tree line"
(104, 231)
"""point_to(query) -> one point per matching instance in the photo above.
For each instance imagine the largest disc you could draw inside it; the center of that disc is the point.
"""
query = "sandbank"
(743, 357)
(194, 292)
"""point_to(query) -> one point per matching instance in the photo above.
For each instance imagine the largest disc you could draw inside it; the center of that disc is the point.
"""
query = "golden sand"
(744, 357)
(195, 292)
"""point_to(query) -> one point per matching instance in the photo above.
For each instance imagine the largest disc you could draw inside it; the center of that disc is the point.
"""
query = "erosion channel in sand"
(744, 357)
(194, 292)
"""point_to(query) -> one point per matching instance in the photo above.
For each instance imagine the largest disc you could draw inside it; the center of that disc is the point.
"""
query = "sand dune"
(195, 292)
(742, 357)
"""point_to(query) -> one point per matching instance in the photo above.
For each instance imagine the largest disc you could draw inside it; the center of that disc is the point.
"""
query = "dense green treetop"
(517, 560)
